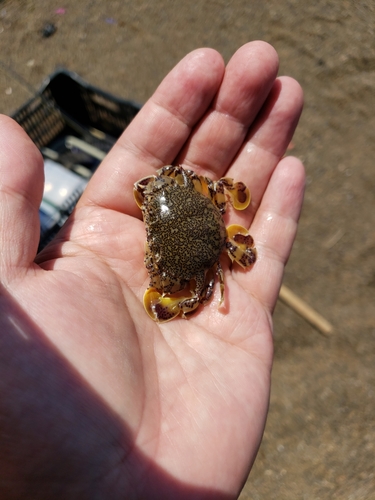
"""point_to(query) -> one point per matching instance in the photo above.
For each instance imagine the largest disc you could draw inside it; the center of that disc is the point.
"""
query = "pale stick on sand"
(289, 298)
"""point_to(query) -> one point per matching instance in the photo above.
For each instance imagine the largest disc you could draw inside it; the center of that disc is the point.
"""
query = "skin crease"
(97, 400)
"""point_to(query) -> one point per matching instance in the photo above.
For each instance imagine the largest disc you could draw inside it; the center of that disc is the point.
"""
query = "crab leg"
(219, 272)
(188, 305)
(208, 287)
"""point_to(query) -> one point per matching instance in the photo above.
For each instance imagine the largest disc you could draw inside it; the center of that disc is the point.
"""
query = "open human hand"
(96, 399)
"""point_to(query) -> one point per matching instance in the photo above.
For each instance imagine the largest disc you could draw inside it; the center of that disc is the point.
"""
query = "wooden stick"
(304, 310)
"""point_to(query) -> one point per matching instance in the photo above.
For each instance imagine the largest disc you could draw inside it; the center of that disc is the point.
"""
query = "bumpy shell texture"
(185, 231)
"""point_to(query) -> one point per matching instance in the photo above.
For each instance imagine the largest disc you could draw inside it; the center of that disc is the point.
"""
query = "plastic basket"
(65, 106)
(65, 99)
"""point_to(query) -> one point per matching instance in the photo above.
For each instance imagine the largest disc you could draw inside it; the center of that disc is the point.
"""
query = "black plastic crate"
(67, 110)
(66, 103)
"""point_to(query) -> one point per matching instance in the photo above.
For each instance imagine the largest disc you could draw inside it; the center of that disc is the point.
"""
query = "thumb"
(21, 190)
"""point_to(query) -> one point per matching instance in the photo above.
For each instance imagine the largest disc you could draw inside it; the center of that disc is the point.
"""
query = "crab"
(186, 235)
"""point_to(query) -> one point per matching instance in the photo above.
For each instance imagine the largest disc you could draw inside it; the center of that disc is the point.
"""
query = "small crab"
(186, 235)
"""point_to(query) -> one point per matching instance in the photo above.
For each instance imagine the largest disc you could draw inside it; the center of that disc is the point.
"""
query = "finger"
(158, 132)
(269, 137)
(248, 79)
(267, 141)
(274, 229)
(21, 190)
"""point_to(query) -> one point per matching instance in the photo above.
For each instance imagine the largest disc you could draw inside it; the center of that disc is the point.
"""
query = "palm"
(190, 393)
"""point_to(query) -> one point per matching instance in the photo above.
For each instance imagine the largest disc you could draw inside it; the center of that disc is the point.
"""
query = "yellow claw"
(233, 229)
(159, 308)
(240, 246)
(239, 194)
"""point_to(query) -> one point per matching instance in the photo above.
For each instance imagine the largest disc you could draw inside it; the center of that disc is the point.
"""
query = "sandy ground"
(319, 441)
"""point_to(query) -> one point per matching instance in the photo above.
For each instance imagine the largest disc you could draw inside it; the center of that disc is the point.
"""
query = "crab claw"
(240, 246)
(238, 193)
(160, 308)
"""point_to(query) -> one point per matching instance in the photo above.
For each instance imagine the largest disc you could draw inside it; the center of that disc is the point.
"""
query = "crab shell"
(186, 235)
